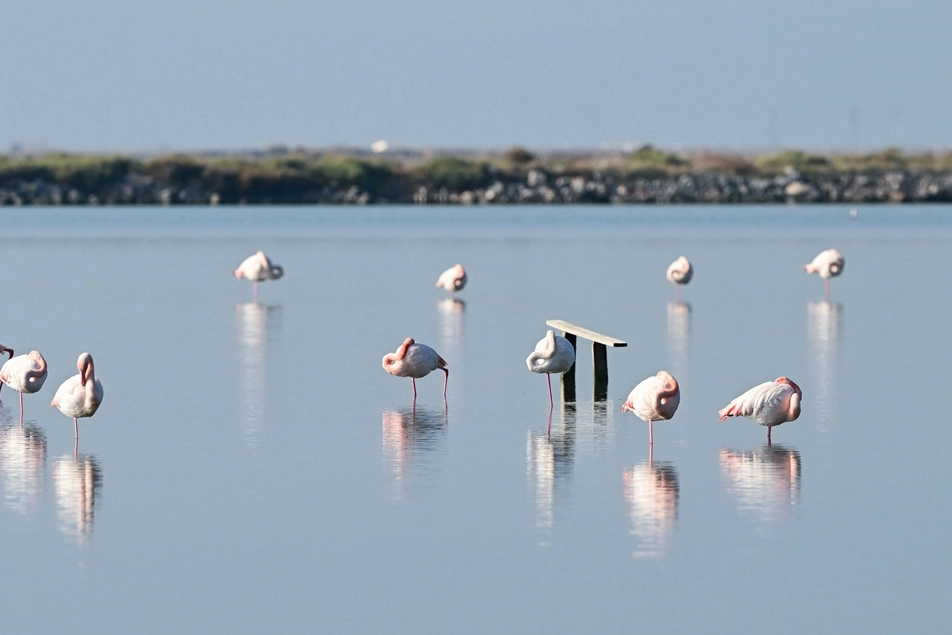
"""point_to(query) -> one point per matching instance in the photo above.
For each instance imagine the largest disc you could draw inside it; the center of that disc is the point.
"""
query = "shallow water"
(253, 469)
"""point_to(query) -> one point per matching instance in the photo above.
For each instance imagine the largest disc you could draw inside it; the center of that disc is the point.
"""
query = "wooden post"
(600, 362)
(568, 377)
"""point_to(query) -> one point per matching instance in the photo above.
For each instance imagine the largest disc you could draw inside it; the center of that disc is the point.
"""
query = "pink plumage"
(415, 360)
(655, 399)
(769, 404)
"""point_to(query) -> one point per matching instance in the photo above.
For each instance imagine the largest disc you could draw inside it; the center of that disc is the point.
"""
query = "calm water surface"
(253, 469)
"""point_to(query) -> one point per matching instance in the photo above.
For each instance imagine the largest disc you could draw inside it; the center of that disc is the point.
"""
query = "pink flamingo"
(828, 264)
(415, 360)
(4, 349)
(453, 279)
(680, 272)
(553, 354)
(769, 404)
(25, 374)
(80, 395)
(258, 268)
(655, 399)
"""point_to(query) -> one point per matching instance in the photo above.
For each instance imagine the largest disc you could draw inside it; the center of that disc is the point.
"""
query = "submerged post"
(600, 344)
(600, 362)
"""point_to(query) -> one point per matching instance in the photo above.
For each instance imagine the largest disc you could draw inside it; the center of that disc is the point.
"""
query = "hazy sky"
(135, 75)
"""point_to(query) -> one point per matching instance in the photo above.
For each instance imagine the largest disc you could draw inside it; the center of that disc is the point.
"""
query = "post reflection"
(77, 483)
(679, 336)
(414, 442)
(765, 482)
(550, 457)
(824, 329)
(652, 491)
(22, 465)
(256, 325)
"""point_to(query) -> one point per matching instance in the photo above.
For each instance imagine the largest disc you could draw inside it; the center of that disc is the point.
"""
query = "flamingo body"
(654, 399)
(415, 360)
(453, 279)
(769, 404)
(25, 373)
(553, 354)
(258, 268)
(828, 264)
(680, 271)
(80, 395)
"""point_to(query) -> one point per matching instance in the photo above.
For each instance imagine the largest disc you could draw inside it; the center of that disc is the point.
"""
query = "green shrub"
(453, 173)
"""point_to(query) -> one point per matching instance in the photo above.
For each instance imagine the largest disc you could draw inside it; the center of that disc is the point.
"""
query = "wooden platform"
(600, 344)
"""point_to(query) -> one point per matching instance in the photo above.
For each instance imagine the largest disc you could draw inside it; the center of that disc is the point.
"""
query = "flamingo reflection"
(824, 329)
(414, 441)
(22, 464)
(451, 314)
(256, 324)
(77, 482)
(550, 458)
(679, 336)
(652, 491)
(765, 482)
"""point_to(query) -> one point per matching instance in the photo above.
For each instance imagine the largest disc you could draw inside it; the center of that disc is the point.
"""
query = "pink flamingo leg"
(254, 286)
(76, 429)
(650, 434)
(21, 409)
(827, 292)
(768, 434)
(413, 380)
(548, 378)
(446, 379)
(677, 293)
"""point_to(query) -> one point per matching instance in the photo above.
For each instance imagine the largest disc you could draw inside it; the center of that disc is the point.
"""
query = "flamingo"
(453, 279)
(4, 349)
(828, 264)
(258, 268)
(415, 360)
(680, 272)
(769, 404)
(80, 395)
(553, 354)
(655, 399)
(24, 373)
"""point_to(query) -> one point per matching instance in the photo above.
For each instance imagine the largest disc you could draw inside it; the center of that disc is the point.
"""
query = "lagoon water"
(253, 469)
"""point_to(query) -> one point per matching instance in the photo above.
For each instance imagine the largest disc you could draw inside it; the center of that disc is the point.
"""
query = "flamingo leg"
(446, 379)
(254, 286)
(768, 435)
(548, 378)
(826, 295)
(413, 380)
(21, 409)
(677, 293)
(650, 435)
(76, 429)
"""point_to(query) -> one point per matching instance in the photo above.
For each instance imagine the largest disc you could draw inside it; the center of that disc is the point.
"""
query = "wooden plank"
(566, 327)
(568, 377)
(600, 362)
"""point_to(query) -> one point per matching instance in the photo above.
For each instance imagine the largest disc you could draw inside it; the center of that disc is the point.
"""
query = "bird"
(24, 373)
(769, 404)
(80, 395)
(655, 399)
(680, 272)
(553, 354)
(453, 279)
(4, 349)
(415, 360)
(828, 264)
(258, 268)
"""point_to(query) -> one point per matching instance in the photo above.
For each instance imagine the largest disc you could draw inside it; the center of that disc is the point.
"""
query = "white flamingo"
(828, 264)
(25, 374)
(655, 399)
(415, 360)
(453, 279)
(80, 395)
(258, 268)
(680, 272)
(769, 404)
(553, 354)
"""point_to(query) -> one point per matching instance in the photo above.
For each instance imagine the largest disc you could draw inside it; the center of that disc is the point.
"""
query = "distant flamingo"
(258, 268)
(24, 373)
(828, 264)
(415, 360)
(655, 399)
(453, 279)
(80, 395)
(769, 404)
(4, 349)
(553, 354)
(680, 272)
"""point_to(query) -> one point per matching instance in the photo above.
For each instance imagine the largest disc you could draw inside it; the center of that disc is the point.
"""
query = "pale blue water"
(253, 468)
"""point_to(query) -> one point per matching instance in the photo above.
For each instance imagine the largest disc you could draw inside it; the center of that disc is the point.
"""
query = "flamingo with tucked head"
(655, 399)
(80, 395)
(415, 360)
(25, 374)
(258, 268)
(769, 404)
(680, 272)
(828, 264)
(553, 354)
(453, 279)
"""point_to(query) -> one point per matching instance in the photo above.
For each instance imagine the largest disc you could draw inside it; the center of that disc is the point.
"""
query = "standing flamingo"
(80, 395)
(415, 360)
(680, 272)
(258, 268)
(453, 279)
(553, 354)
(828, 264)
(4, 349)
(655, 399)
(769, 404)
(24, 373)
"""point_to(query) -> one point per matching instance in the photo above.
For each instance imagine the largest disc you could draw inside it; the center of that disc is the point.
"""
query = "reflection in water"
(414, 442)
(22, 464)
(256, 324)
(550, 458)
(77, 481)
(452, 319)
(765, 482)
(652, 491)
(679, 337)
(824, 329)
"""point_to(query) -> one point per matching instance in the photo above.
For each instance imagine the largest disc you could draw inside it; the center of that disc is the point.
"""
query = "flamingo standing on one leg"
(24, 373)
(769, 404)
(80, 395)
(655, 399)
(828, 264)
(680, 272)
(453, 279)
(415, 360)
(4, 349)
(258, 268)
(553, 354)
